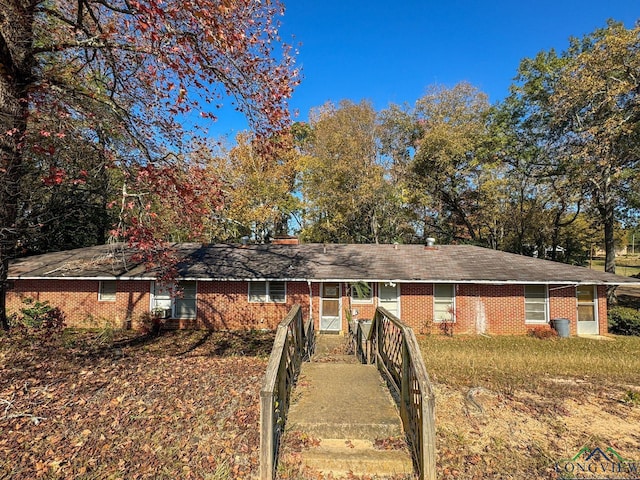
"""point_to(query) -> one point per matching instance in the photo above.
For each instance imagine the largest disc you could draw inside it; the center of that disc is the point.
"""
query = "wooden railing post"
(266, 436)
(405, 387)
(300, 335)
(378, 337)
(394, 347)
(290, 347)
(429, 437)
(426, 431)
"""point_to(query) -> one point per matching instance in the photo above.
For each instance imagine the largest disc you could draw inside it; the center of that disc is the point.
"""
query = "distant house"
(232, 287)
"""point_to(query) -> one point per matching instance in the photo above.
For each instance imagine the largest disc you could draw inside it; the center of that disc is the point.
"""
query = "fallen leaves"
(167, 408)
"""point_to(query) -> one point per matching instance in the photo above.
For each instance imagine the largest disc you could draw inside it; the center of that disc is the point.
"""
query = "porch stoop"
(345, 411)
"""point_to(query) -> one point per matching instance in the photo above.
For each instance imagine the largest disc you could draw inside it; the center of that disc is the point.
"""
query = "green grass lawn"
(541, 401)
(503, 363)
(627, 265)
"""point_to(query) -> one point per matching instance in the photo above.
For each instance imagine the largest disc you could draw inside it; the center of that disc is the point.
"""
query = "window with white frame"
(535, 304)
(362, 292)
(264, 292)
(177, 301)
(107, 291)
(444, 302)
(184, 305)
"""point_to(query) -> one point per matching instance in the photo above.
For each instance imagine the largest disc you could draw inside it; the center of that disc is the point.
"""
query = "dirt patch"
(525, 434)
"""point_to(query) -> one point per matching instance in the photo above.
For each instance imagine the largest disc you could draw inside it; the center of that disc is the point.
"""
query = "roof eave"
(339, 280)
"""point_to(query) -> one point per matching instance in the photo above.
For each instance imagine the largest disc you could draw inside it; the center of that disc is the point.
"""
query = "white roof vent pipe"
(431, 242)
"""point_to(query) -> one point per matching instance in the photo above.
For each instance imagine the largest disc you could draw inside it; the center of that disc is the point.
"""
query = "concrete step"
(333, 348)
(343, 409)
(341, 457)
(368, 431)
(333, 400)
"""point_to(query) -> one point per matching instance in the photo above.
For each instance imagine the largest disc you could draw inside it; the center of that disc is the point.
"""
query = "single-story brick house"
(253, 287)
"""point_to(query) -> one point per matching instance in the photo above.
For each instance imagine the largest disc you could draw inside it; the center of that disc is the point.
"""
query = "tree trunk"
(4, 263)
(16, 63)
(608, 217)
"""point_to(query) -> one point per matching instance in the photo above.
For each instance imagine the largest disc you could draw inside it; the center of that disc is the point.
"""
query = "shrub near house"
(624, 321)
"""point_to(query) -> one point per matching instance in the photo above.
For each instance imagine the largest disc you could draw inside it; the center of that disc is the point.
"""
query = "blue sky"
(389, 52)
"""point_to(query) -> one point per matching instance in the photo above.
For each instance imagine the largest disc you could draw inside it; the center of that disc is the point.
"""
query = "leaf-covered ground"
(183, 405)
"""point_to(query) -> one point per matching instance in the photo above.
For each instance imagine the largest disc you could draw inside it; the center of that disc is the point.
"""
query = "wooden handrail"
(392, 345)
(294, 343)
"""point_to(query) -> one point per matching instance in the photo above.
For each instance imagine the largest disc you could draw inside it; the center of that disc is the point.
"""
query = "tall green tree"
(346, 184)
(258, 190)
(583, 107)
(123, 74)
(454, 166)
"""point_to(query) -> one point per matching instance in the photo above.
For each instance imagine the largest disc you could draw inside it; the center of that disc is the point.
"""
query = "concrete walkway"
(346, 410)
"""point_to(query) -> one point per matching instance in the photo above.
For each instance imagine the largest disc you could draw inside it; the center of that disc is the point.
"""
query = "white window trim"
(453, 304)
(360, 301)
(267, 291)
(546, 307)
(101, 294)
(172, 309)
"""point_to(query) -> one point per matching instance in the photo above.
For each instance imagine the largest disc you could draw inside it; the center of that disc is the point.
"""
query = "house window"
(178, 304)
(444, 302)
(535, 304)
(161, 302)
(107, 291)
(264, 292)
(184, 305)
(362, 292)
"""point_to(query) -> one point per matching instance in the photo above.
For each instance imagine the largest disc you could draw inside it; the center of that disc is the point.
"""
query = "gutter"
(566, 283)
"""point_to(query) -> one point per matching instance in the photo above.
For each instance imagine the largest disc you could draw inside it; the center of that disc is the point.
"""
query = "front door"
(389, 297)
(587, 312)
(330, 319)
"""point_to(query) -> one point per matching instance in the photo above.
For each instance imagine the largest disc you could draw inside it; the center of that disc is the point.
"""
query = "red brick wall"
(78, 299)
(603, 323)
(225, 305)
(499, 307)
(315, 290)
(563, 303)
(416, 305)
(503, 307)
(220, 305)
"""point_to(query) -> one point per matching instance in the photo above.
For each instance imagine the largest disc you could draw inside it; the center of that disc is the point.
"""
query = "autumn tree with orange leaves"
(117, 78)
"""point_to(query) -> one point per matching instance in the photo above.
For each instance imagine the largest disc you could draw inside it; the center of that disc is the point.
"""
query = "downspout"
(310, 300)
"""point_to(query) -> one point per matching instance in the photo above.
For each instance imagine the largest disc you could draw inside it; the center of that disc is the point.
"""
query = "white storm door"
(389, 297)
(587, 311)
(330, 318)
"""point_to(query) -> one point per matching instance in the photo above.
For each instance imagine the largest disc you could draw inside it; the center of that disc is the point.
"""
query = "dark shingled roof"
(401, 263)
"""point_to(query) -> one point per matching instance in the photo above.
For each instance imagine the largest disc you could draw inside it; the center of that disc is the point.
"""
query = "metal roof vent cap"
(245, 240)
(431, 242)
